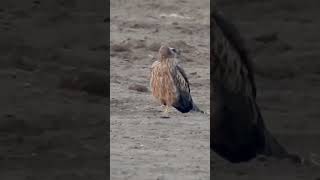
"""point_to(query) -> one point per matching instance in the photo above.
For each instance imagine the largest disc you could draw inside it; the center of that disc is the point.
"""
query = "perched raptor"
(169, 83)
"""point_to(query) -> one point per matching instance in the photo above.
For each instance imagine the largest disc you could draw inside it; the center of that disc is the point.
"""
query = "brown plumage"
(238, 132)
(169, 83)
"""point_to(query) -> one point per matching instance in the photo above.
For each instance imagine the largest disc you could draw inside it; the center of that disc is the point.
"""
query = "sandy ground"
(284, 41)
(52, 127)
(145, 146)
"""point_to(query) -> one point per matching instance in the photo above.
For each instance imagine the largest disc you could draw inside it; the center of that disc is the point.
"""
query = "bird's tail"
(271, 146)
(195, 108)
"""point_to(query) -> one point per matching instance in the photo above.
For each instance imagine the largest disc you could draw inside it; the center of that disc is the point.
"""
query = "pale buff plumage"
(169, 83)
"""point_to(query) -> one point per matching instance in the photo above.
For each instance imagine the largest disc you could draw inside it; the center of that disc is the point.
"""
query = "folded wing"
(238, 132)
(184, 100)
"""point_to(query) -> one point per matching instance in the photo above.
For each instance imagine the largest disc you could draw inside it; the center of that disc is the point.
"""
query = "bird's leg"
(166, 109)
(165, 113)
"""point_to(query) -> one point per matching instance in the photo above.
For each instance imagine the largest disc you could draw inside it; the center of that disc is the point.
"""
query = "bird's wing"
(184, 101)
(182, 79)
(234, 126)
(231, 57)
(238, 130)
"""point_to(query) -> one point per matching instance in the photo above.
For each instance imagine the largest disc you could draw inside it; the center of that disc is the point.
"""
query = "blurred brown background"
(52, 70)
(283, 39)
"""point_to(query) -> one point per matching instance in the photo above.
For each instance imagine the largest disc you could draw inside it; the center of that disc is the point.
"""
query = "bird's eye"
(174, 50)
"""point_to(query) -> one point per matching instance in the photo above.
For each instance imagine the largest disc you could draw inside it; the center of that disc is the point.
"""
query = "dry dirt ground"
(52, 71)
(145, 146)
(284, 41)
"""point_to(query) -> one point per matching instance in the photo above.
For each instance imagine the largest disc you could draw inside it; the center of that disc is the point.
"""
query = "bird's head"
(166, 52)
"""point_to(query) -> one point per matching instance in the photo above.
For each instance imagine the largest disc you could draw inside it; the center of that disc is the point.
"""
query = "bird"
(169, 83)
(238, 132)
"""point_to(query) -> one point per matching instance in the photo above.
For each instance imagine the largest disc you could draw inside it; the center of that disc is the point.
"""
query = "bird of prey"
(238, 132)
(169, 83)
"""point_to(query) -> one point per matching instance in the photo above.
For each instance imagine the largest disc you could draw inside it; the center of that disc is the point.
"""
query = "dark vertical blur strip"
(54, 84)
(107, 21)
(211, 83)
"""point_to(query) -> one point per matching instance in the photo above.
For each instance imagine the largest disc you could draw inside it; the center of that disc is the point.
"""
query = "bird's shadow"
(165, 117)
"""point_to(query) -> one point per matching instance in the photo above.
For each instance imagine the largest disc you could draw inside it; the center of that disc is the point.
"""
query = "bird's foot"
(166, 112)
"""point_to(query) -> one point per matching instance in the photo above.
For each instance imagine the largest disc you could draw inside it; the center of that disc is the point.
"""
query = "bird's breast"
(162, 84)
